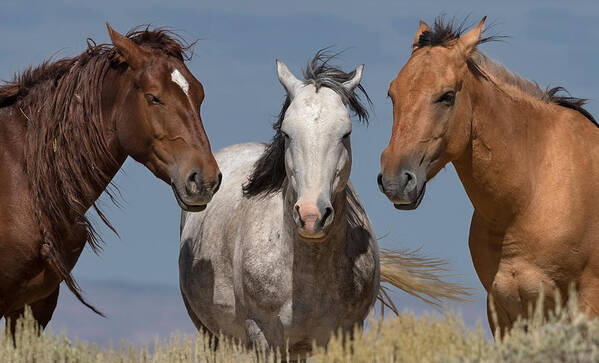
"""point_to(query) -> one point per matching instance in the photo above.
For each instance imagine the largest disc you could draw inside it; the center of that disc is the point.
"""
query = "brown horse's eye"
(152, 100)
(447, 98)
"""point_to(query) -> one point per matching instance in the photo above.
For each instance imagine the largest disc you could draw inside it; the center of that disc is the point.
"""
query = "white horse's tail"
(418, 276)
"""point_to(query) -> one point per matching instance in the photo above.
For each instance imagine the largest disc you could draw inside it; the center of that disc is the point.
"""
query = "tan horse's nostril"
(379, 180)
(193, 187)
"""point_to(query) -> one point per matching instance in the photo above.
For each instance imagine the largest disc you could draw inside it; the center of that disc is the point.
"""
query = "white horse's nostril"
(327, 213)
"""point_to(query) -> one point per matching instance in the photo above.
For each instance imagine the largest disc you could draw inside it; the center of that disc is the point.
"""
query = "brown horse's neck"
(113, 96)
(112, 106)
(498, 168)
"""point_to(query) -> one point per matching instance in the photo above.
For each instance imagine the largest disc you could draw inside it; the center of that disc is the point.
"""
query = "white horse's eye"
(347, 135)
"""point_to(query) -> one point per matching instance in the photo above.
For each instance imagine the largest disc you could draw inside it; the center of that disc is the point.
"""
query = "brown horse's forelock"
(66, 151)
(269, 172)
(444, 33)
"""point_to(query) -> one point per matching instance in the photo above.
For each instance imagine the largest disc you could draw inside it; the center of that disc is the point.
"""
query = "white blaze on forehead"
(178, 78)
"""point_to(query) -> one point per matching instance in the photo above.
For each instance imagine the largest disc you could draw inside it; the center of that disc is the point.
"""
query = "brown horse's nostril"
(192, 186)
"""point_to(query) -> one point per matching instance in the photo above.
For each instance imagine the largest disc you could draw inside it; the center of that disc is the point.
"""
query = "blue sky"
(551, 42)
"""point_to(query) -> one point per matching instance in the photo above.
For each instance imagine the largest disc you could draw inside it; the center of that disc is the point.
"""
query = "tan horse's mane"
(502, 75)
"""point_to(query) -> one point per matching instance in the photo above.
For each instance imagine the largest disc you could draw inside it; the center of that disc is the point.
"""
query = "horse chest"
(303, 296)
(529, 264)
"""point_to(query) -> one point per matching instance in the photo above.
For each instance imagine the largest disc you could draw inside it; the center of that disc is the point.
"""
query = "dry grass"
(567, 336)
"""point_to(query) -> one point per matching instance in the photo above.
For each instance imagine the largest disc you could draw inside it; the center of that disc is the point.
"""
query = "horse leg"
(256, 338)
(42, 311)
(213, 339)
(503, 321)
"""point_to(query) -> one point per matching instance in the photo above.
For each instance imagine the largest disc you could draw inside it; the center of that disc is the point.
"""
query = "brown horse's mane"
(444, 33)
(67, 159)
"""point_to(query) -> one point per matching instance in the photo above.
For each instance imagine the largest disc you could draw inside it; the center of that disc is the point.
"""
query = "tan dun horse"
(528, 160)
(66, 127)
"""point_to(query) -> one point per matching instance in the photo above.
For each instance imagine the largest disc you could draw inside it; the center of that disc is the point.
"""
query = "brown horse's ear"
(423, 27)
(132, 54)
(468, 41)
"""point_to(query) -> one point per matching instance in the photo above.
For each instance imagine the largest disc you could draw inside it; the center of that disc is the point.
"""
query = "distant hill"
(134, 312)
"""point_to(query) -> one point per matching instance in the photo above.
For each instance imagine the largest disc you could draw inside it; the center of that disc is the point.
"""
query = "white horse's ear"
(287, 79)
(355, 81)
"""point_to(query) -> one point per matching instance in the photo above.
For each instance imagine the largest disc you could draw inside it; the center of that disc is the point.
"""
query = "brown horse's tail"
(418, 276)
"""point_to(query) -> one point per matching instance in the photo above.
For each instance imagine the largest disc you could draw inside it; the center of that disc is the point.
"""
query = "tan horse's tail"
(418, 276)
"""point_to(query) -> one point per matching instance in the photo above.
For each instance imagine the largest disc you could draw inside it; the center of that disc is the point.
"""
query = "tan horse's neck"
(510, 132)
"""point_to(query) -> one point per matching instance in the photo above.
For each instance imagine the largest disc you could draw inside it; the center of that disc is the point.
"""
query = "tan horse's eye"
(152, 100)
(447, 98)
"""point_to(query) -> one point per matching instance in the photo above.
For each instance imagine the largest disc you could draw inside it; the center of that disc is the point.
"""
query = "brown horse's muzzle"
(194, 193)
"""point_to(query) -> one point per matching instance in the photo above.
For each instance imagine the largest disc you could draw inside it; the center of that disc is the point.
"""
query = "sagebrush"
(564, 336)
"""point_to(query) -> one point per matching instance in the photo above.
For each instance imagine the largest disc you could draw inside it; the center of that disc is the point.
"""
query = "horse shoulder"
(264, 253)
(213, 241)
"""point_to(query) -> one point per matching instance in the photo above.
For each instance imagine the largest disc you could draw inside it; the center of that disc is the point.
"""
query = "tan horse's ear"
(423, 27)
(468, 41)
(132, 53)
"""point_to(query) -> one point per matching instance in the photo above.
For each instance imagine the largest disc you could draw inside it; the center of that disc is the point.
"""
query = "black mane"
(569, 102)
(269, 171)
(444, 33)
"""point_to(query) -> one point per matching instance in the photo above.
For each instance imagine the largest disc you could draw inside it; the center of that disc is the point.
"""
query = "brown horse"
(66, 127)
(528, 160)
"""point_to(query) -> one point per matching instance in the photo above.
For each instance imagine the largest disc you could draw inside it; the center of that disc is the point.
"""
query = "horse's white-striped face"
(178, 78)
(317, 155)
(317, 127)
